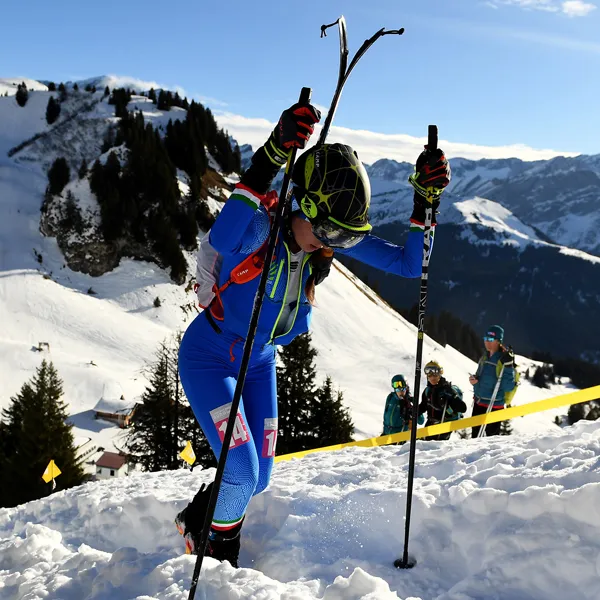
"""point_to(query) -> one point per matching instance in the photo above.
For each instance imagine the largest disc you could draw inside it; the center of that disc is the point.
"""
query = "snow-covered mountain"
(491, 262)
(8, 86)
(558, 197)
(513, 518)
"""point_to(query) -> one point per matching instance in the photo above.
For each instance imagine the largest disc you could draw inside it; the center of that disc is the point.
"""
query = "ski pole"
(258, 301)
(481, 432)
(407, 562)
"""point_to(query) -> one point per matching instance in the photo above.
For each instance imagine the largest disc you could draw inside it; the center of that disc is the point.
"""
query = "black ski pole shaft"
(407, 562)
(305, 95)
(344, 70)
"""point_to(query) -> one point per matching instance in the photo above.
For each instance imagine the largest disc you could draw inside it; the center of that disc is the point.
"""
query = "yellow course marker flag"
(51, 472)
(493, 417)
(188, 454)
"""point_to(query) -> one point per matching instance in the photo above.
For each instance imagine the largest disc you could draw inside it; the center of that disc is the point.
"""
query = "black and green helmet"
(331, 184)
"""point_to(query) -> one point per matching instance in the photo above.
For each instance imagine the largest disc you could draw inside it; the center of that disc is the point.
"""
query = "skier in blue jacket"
(330, 211)
(496, 366)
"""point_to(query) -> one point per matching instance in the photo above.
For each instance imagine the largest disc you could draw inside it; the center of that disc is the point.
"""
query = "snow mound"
(507, 517)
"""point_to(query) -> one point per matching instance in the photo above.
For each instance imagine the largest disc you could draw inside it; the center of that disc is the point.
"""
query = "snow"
(493, 215)
(20, 123)
(115, 405)
(510, 517)
(9, 85)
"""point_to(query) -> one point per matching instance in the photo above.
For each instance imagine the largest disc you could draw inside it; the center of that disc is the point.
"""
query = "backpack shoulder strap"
(251, 267)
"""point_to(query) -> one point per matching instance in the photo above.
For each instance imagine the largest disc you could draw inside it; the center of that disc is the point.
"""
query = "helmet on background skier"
(399, 382)
(433, 367)
(333, 190)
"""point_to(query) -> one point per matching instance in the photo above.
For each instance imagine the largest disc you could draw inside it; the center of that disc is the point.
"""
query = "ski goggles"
(336, 236)
(432, 371)
(487, 338)
(398, 385)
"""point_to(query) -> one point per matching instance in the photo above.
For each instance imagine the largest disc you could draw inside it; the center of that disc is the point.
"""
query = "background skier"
(441, 400)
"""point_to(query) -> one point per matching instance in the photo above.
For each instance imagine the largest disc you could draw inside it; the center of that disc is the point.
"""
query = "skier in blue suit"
(330, 212)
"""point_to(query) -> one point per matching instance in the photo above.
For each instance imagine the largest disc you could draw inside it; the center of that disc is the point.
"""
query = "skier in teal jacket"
(398, 408)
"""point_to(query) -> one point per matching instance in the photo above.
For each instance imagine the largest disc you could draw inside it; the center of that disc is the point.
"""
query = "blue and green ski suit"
(209, 359)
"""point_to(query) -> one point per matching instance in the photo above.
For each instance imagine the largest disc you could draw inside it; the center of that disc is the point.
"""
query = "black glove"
(507, 357)
(321, 264)
(293, 130)
(432, 175)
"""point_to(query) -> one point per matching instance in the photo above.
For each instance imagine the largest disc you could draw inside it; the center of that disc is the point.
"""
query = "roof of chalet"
(111, 460)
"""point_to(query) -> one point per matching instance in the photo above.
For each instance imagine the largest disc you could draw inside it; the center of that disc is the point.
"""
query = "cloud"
(546, 5)
(209, 100)
(571, 8)
(372, 146)
(576, 8)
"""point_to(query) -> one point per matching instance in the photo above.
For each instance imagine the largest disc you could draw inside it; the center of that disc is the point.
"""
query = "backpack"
(210, 261)
(509, 395)
(458, 415)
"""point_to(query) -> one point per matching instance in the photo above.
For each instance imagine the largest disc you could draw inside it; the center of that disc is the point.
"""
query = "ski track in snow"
(499, 518)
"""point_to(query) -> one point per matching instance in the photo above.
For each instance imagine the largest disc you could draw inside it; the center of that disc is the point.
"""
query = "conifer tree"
(506, 428)
(51, 86)
(308, 417)
(332, 423)
(164, 422)
(58, 176)
(83, 169)
(33, 432)
(22, 94)
(52, 110)
(62, 92)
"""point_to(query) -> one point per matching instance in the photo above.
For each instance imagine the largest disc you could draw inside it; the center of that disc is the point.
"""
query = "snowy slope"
(392, 203)
(9, 85)
(503, 518)
(558, 197)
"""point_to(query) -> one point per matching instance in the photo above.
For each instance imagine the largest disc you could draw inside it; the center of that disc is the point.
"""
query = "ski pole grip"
(432, 137)
(305, 95)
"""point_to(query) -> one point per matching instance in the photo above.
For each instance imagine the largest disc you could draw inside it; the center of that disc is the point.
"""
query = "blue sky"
(490, 73)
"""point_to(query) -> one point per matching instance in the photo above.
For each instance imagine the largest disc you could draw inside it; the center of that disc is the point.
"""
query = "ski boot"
(221, 545)
(190, 520)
